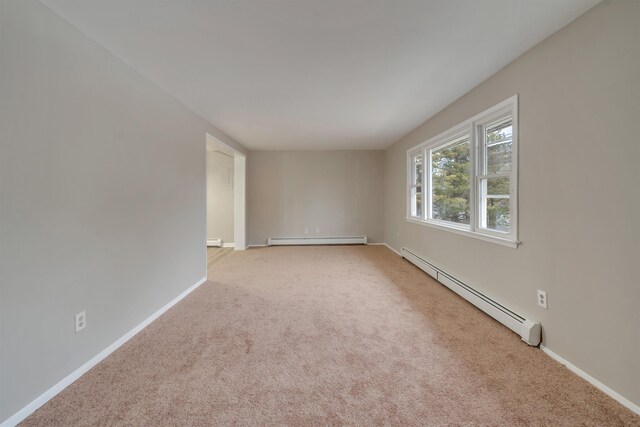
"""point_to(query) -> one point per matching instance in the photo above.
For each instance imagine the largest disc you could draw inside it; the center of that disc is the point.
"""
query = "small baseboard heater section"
(282, 241)
(215, 242)
(527, 329)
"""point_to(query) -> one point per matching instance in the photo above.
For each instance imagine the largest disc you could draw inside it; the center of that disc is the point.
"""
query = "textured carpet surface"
(342, 335)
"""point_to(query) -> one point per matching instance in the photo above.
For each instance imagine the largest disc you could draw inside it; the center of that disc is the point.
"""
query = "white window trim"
(472, 127)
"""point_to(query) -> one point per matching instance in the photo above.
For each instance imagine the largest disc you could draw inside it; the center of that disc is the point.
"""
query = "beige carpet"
(328, 336)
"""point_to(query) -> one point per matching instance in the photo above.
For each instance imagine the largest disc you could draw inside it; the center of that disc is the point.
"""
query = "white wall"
(102, 202)
(339, 192)
(219, 196)
(579, 206)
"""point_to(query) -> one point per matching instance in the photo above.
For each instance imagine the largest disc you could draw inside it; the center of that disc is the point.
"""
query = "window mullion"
(426, 184)
(409, 182)
(495, 175)
(473, 211)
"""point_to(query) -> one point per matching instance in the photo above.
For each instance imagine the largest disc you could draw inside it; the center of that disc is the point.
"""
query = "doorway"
(225, 200)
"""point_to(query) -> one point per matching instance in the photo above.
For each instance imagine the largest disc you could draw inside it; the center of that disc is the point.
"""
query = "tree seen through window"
(450, 180)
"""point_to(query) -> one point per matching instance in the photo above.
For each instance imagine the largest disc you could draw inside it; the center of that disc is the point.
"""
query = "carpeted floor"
(341, 335)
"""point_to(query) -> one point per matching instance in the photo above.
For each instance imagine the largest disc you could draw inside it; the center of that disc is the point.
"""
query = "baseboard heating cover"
(214, 242)
(527, 329)
(281, 241)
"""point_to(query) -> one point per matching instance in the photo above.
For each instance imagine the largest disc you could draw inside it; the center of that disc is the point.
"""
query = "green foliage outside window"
(450, 169)
(498, 160)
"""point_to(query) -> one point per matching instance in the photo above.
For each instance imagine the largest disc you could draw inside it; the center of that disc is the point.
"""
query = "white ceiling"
(318, 74)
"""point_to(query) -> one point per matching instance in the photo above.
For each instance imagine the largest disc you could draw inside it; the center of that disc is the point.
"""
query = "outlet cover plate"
(81, 321)
(542, 299)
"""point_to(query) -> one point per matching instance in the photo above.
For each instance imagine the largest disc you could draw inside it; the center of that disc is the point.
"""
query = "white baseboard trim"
(298, 241)
(372, 244)
(69, 379)
(594, 382)
(228, 245)
(384, 244)
(214, 242)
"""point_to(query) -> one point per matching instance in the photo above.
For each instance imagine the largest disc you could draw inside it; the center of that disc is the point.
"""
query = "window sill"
(491, 239)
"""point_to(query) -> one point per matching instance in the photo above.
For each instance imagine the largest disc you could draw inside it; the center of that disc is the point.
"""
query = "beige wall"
(579, 199)
(339, 192)
(219, 196)
(102, 204)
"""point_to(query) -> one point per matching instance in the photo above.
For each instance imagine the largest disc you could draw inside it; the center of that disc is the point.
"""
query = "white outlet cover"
(542, 299)
(81, 321)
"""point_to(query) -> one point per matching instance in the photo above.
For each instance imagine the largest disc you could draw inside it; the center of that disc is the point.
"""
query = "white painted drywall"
(239, 202)
(220, 189)
(102, 200)
(579, 93)
(337, 192)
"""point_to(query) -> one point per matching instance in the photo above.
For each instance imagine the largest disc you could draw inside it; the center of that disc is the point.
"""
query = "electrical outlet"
(317, 230)
(81, 321)
(542, 299)
(306, 231)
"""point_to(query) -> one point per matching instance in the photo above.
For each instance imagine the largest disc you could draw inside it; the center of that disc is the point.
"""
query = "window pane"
(494, 205)
(416, 189)
(417, 169)
(450, 169)
(498, 144)
(416, 201)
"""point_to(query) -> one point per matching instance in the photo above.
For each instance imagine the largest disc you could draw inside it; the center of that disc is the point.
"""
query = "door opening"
(225, 197)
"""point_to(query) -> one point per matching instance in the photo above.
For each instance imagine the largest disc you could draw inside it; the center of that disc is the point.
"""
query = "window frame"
(475, 128)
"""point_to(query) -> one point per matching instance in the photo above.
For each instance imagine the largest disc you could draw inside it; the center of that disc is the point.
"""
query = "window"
(468, 176)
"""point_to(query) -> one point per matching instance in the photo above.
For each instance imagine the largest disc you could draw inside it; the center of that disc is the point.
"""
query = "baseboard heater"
(282, 241)
(215, 242)
(527, 329)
